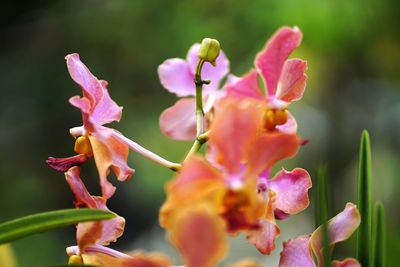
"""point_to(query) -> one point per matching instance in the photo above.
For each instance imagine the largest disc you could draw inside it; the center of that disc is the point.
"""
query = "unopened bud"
(209, 50)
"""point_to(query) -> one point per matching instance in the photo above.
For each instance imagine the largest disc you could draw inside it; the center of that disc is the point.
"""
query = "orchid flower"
(177, 76)
(227, 188)
(108, 147)
(300, 251)
(285, 79)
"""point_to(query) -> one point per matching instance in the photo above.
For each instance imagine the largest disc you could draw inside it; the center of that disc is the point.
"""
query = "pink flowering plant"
(232, 188)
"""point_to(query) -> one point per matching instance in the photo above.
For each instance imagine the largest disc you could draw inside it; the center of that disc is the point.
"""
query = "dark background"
(353, 51)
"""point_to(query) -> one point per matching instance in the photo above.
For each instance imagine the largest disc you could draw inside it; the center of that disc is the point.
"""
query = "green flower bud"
(209, 50)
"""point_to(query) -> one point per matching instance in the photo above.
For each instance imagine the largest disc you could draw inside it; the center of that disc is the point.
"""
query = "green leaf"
(41, 222)
(73, 265)
(364, 233)
(322, 212)
(379, 235)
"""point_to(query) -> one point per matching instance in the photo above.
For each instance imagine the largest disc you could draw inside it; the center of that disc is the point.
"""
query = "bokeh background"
(353, 51)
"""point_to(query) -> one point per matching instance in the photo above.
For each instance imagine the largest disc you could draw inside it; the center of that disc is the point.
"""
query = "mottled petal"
(270, 60)
(109, 153)
(106, 110)
(245, 87)
(199, 236)
(209, 72)
(291, 190)
(92, 88)
(340, 228)
(179, 121)
(175, 76)
(270, 148)
(348, 262)
(264, 238)
(235, 125)
(91, 233)
(292, 81)
(296, 253)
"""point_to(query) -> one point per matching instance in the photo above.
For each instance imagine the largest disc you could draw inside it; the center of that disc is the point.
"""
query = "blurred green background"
(353, 51)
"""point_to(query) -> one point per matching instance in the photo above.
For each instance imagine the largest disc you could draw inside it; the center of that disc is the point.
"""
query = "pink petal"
(292, 81)
(109, 153)
(340, 227)
(228, 142)
(264, 238)
(246, 87)
(91, 87)
(269, 148)
(291, 190)
(64, 164)
(296, 253)
(106, 110)
(270, 60)
(348, 262)
(91, 233)
(82, 103)
(175, 76)
(209, 72)
(179, 121)
(199, 236)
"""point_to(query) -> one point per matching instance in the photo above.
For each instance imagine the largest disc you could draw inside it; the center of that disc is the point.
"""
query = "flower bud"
(209, 50)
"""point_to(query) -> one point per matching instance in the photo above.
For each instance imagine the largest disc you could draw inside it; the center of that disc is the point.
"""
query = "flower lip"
(64, 164)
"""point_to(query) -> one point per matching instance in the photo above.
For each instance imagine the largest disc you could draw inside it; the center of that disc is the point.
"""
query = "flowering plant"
(228, 190)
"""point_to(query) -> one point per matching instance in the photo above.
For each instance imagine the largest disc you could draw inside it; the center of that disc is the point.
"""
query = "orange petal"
(348, 262)
(235, 125)
(199, 235)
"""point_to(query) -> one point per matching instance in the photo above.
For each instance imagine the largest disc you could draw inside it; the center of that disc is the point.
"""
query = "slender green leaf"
(41, 222)
(364, 233)
(379, 235)
(73, 265)
(322, 212)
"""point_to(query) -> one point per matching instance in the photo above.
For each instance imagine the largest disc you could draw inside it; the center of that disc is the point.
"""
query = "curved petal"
(199, 236)
(268, 149)
(179, 121)
(264, 237)
(291, 190)
(228, 142)
(348, 262)
(296, 253)
(92, 88)
(270, 60)
(93, 233)
(106, 110)
(340, 228)
(292, 82)
(209, 72)
(175, 76)
(109, 153)
(246, 87)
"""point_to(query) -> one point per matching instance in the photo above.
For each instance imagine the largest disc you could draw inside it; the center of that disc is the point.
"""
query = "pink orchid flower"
(93, 139)
(227, 189)
(299, 251)
(177, 76)
(285, 79)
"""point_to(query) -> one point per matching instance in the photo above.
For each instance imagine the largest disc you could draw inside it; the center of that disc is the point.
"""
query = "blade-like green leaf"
(41, 222)
(364, 233)
(379, 236)
(322, 212)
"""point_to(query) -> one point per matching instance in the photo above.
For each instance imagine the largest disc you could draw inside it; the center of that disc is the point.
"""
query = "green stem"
(379, 235)
(364, 233)
(322, 212)
(201, 136)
